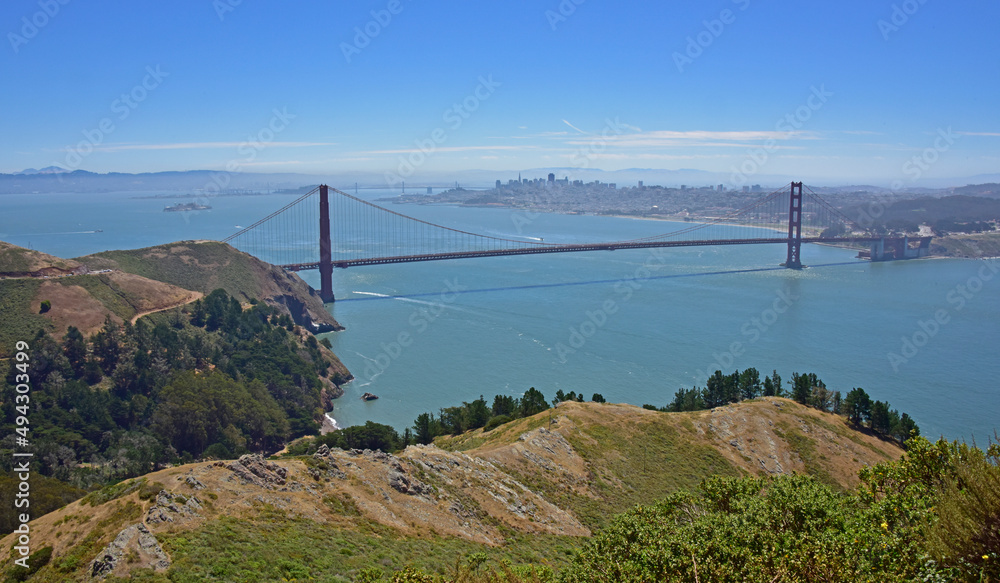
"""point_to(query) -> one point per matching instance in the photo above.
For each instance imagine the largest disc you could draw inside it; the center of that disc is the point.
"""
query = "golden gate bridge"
(351, 232)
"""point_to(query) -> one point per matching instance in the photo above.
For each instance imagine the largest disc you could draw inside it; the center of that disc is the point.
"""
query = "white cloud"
(206, 145)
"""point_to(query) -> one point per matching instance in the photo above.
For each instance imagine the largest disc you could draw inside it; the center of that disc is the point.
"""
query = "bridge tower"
(794, 260)
(325, 248)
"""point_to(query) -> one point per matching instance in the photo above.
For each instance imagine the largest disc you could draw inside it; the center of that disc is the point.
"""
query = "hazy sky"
(853, 89)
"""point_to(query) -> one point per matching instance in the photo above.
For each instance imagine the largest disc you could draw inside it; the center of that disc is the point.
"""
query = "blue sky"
(293, 87)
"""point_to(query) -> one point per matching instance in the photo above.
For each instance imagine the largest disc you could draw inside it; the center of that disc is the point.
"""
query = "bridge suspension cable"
(360, 232)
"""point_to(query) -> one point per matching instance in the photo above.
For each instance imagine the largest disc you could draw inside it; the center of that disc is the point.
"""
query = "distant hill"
(204, 266)
(530, 490)
(124, 285)
(20, 262)
(990, 190)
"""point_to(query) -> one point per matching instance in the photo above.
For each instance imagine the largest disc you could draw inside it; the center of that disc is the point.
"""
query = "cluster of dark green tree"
(807, 389)
(371, 436)
(450, 421)
(469, 416)
(215, 380)
(932, 516)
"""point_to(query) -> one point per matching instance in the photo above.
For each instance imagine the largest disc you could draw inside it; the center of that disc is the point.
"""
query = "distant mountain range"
(56, 179)
(46, 170)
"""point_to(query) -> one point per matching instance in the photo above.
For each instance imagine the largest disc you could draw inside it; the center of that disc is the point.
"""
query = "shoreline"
(671, 219)
(329, 424)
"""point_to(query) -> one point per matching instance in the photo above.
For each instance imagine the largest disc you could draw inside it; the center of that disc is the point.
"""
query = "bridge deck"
(611, 246)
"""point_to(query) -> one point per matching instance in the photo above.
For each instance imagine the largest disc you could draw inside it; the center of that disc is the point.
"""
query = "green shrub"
(497, 421)
(36, 561)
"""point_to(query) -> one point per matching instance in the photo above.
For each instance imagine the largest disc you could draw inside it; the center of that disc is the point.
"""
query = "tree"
(106, 345)
(903, 426)
(75, 350)
(720, 390)
(533, 402)
(857, 406)
(198, 314)
(422, 427)
(454, 420)
(821, 398)
(776, 383)
(749, 384)
(478, 413)
(598, 398)
(687, 400)
(802, 386)
(505, 405)
(881, 421)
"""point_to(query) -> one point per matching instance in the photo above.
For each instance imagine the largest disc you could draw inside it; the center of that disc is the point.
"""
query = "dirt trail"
(192, 296)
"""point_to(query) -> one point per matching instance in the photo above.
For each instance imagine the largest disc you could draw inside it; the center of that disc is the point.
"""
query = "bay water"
(632, 325)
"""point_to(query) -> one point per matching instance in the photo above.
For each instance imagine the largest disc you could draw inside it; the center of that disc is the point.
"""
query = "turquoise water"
(632, 325)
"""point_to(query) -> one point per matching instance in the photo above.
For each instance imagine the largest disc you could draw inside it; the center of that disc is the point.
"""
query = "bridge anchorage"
(353, 232)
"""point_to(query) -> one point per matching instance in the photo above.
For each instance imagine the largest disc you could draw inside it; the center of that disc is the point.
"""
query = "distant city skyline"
(897, 93)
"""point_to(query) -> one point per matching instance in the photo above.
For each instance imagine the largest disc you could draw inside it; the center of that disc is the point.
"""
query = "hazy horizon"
(834, 94)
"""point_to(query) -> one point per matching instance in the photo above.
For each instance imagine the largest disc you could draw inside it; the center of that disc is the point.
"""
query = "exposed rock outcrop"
(168, 506)
(254, 469)
(137, 538)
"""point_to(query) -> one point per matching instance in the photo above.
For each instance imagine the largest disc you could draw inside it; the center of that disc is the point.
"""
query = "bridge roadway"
(611, 246)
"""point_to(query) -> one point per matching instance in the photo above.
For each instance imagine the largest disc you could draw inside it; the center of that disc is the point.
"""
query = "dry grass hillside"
(204, 266)
(127, 285)
(20, 262)
(592, 458)
(527, 489)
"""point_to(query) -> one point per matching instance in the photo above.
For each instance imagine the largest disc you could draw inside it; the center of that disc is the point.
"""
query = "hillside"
(990, 190)
(125, 285)
(529, 490)
(20, 262)
(974, 246)
(75, 295)
(204, 266)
